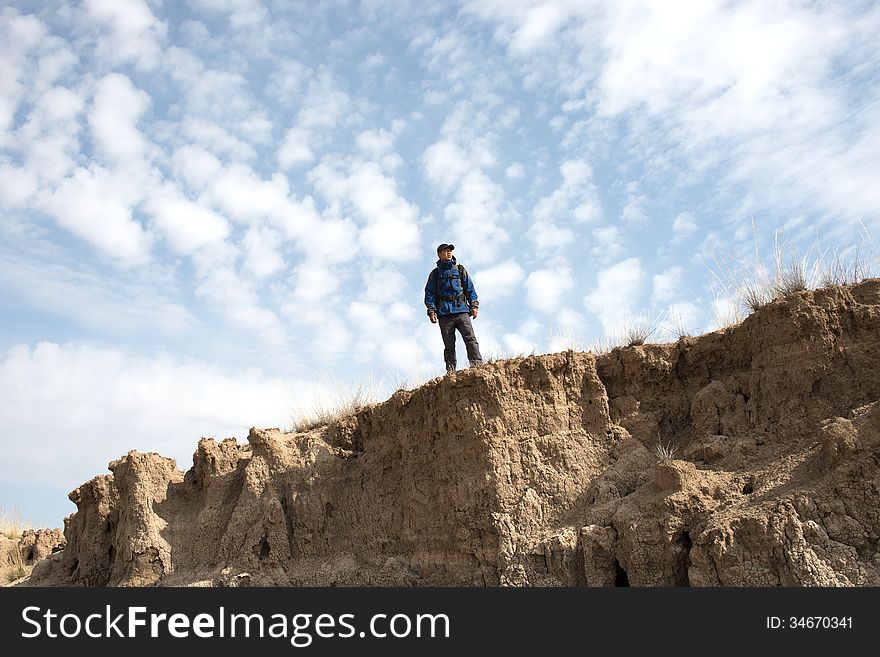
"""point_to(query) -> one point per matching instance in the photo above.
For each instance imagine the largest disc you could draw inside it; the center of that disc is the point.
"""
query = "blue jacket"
(449, 289)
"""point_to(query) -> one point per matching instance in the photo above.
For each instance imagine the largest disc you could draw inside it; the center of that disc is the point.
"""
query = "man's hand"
(474, 312)
(433, 318)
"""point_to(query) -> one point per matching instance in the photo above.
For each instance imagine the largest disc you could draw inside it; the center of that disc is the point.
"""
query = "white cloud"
(374, 61)
(617, 290)
(607, 242)
(51, 157)
(17, 186)
(467, 145)
(527, 25)
(478, 214)
(243, 14)
(404, 354)
(540, 24)
(667, 285)
(118, 106)
(255, 128)
(545, 288)
(195, 166)
(223, 99)
(568, 319)
(263, 258)
(324, 240)
(314, 304)
(445, 164)
(547, 236)
(498, 282)
(50, 135)
(295, 148)
(57, 61)
(313, 286)
(91, 205)
(378, 281)
(684, 224)
(57, 105)
(515, 171)
(186, 225)
(287, 80)
(235, 299)
(389, 229)
(456, 162)
(575, 198)
(375, 143)
(217, 109)
(182, 64)
(449, 55)
(132, 32)
(19, 35)
(775, 47)
(509, 117)
(384, 329)
(518, 344)
(471, 126)
(323, 108)
(216, 139)
(749, 86)
(633, 212)
(333, 339)
(763, 97)
(712, 247)
(245, 197)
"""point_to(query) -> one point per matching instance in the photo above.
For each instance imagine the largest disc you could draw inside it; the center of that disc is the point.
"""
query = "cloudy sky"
(215, 214)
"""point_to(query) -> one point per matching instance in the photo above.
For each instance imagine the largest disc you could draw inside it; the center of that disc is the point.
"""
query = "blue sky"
(217, 214)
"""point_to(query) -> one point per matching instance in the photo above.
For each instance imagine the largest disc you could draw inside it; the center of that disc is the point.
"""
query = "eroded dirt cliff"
(537, 471)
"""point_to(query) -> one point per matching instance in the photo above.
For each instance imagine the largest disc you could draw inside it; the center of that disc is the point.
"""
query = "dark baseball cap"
(443, 247)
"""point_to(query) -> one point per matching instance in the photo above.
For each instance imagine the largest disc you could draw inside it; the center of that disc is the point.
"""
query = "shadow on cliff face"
(537, 471)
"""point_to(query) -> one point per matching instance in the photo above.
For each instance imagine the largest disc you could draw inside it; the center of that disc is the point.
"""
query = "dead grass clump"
(14, 568)
(638, 329)
(12, 524)
(341, 404)
(665, 452)
(752, 287)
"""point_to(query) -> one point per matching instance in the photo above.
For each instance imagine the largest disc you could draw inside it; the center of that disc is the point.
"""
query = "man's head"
(444, 251)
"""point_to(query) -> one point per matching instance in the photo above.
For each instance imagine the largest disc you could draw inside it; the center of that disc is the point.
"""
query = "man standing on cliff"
(451, 300)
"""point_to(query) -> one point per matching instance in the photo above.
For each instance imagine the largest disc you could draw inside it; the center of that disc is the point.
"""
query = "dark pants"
(462, 322)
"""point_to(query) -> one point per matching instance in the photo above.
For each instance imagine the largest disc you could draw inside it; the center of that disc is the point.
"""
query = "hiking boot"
(476, 363)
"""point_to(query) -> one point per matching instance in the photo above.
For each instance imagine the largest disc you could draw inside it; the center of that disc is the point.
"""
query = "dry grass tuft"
(665, 452)
(835, 270)
(14, 568)
(676, 326)
(566, 340)
(12, 525)
(638, 329)
(342, 404)
(754, 287)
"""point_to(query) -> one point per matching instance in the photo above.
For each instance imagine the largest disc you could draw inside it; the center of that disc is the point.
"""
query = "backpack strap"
(461, 274)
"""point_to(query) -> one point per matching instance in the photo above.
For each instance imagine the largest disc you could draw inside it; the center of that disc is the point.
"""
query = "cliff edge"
(537, 471)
